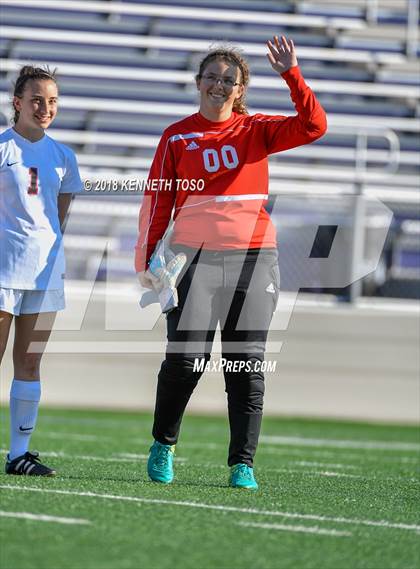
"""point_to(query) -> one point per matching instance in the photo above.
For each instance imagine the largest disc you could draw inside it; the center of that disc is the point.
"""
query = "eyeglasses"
(227, 82)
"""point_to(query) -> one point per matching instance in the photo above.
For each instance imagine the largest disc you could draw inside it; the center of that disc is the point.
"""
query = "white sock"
(24, 401)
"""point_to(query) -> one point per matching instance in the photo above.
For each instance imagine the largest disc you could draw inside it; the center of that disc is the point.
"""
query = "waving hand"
(282, 55)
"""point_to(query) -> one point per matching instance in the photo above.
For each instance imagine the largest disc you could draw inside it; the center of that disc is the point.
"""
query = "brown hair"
(27, 73)
(233, 56)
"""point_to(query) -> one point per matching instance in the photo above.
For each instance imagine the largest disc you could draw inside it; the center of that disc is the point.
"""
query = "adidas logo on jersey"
(192, 146)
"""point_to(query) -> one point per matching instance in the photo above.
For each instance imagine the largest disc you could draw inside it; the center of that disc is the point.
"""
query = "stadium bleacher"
(127, 71)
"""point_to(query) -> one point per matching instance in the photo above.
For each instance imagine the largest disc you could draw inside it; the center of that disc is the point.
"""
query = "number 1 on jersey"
(33, 181)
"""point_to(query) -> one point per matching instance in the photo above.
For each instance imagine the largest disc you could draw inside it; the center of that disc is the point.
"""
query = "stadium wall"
(337, 360)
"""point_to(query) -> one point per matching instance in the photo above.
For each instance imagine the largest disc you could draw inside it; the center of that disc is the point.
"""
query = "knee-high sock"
(24, 401)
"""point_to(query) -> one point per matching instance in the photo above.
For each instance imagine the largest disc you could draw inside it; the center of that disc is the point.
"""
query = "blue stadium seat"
(370, 44)
(69, 20)
(112, 150)
(71, 119)
(129, 90)
(262, 98)
(329, 10)
(316, 70)
(172, 93)
(4, 46)
(286, 6)
(130, 123)
(100, 55)
(386, 16)
(73, 52)
(226, 31)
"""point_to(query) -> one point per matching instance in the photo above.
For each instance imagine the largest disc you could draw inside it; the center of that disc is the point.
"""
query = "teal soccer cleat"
(242, 476)
(159, 465)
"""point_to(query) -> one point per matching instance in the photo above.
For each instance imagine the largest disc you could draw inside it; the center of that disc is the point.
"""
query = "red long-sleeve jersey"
(227, 162)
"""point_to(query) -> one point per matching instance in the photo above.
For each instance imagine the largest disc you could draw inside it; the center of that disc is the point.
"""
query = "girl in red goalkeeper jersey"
(231, 276)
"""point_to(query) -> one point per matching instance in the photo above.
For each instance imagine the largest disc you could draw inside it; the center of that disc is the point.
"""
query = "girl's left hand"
(282, 55)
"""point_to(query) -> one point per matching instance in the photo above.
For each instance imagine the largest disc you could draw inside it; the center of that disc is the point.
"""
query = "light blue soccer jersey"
(32, 175)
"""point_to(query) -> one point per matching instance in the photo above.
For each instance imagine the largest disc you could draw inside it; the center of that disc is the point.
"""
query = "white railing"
(412, 37)
(309, 152)
(411, 31)
(191, 45)
(181, 109)
(359, 201)
(193, 13)
(187, 78)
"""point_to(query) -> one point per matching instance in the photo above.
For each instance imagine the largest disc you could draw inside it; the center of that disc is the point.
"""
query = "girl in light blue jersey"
(37, 179)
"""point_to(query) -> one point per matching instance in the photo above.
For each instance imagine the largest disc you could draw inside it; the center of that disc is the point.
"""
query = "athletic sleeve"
(157, 204)
(310, 123)
(71, 182)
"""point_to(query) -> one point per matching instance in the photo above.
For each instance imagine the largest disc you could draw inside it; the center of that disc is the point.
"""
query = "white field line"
(123, 422)
(299, 451)
(181, 461)
(299, 529)
(316, 451)
(291, 515)
(214, 446)
(336, 474)
(53, 454)
(89, 438)
(333, 454)
(123, 457)
(187, 444)
(93, 458)
(285, 470)
(321, 464)
(339, 443)
(43, 518)
(275, 441)
(319, 473)
(294, 471)
(304, 472)
(333, 474)
(266, 440)
(134, 457)
(76, 437)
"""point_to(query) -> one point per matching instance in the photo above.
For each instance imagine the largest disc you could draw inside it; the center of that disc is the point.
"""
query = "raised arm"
(310, 123)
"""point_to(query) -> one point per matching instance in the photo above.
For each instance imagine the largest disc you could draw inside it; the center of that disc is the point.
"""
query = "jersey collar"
(24, 140)
(206, 124)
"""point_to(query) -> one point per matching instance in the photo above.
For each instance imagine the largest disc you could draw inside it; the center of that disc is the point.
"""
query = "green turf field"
(333, 495)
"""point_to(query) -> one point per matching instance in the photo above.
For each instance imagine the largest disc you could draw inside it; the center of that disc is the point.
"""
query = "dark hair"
(233, 56)
(27, 73)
